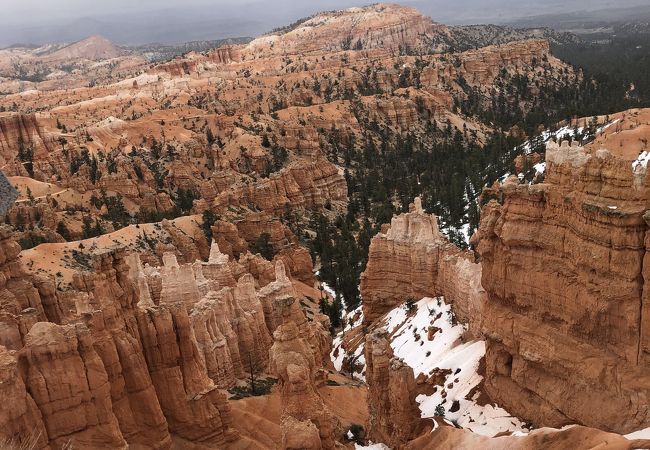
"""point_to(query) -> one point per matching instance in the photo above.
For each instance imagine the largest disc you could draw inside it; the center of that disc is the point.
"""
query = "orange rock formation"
(411, 258)
(563, 266)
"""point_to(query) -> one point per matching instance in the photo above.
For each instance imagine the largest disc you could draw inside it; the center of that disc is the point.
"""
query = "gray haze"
(174, 21)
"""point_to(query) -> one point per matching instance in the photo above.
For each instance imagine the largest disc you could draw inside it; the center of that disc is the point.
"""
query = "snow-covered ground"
(338, 354)
(640, 434)
(561, 134)
(327, 288)
(447, 350)
(642, 160)
(371, 447)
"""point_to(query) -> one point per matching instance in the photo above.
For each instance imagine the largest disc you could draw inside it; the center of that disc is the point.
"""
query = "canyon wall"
(410, 258)
(559, 294)
(308, 186)
(135, 355)
(565, 270)
(23, 130)
(394, 414)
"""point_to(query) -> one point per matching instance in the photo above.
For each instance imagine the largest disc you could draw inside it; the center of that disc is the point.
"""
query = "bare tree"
(254, 370)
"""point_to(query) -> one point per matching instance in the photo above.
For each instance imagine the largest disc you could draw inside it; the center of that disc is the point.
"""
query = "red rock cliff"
(565, 269)
(394, 414)
(411, 258)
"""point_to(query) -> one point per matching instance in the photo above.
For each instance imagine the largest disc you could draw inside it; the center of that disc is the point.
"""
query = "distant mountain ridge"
(93, 48)
(156, 52)
(585, 19)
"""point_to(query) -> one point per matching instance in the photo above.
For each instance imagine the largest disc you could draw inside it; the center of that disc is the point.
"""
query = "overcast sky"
(140, 21)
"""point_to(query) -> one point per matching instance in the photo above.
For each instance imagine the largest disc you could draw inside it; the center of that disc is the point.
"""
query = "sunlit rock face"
(394, 414)
(292, 361)
(411, 259)
(564, 269)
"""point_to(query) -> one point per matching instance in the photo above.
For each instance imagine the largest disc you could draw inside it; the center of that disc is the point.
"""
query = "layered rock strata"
(141, 353)
(303, 409)
(134, 365)
(394, 414)
(411, 259)
(303, 185)
(565, 270)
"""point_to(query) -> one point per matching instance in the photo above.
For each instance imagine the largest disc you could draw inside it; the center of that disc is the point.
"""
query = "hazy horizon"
(167, 21)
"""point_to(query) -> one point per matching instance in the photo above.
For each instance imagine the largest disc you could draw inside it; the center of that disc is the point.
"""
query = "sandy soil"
(258, 418)
(39, 189)
(58, 258)
(627, 137)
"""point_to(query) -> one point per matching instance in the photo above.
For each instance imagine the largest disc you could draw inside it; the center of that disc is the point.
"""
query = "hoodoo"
(363, 230)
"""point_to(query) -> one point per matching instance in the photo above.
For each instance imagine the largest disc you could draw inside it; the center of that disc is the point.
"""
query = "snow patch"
(447, 351)
(641, 160)
(409, 326)
(639, 434)
(371, 447)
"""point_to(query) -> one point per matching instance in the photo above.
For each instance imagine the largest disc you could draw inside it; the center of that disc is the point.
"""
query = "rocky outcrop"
(193, 62)
(402, 262)
(226, 315)
(233, 321)
(149, 347)
(108, 302)
(20, 302)
(483, 65)
(392, 28)
(68, 382)
(194, 407)
(563, 267)
(123, 372)
(292, 361)
(23, 422)
(304, 185)
(21, 130)
(394, 414)
(281, 305)
(411, 259)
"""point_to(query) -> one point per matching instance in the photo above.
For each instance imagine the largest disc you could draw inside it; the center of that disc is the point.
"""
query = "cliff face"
(25, 130)
(411, 259)
(20, 303)
(303, 410)
(566, 316)
(304, 186)
(69, 384)
(482, 65)
(133, 356)
(394, 414)
(23, 421)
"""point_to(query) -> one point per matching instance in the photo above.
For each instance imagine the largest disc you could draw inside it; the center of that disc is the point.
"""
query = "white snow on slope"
(561, 134)
(371, 447)
(640, 434)
(338, 354)
(447, 351)
(641, 160)
(409, 330)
